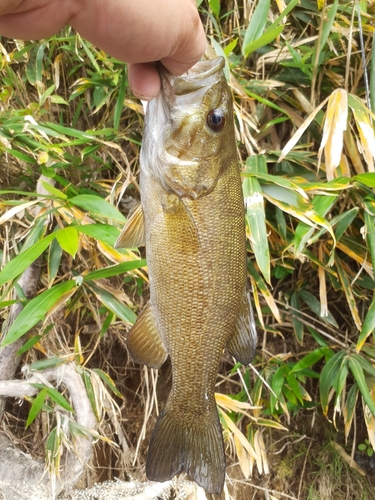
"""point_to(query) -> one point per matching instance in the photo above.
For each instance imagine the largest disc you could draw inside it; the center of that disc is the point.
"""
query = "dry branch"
(22, 477)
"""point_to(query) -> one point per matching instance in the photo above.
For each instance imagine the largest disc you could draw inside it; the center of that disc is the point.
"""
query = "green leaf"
(116, 270)
(294, 386)
(96, 205)
(29, 344)
(52, 190)
(263, 40)
(349, 407)
(366, 365)
(368, 325)
(370, 235)
(36, 407)
(102, 232)
(367, 179)
(90, 392)
(343, 221)
(112, 303)
(36, 310)
(68, 240)
(120, 100)
(54, 259)
(357, 372)
(297, 324)
(304, 231)
(107, 380)
(313, 304)
(256, 218)
(51, 362)
(107, 322)
(277, 383)
(328, 377)
(215, 7)
(331, 13)
(310, 359)
(20, 156)
(256, 25)
(59, 399)
(283, 14)
(23, 260)
(347, 287)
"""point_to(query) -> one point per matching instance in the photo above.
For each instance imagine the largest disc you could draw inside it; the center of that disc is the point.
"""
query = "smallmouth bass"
(192, 220)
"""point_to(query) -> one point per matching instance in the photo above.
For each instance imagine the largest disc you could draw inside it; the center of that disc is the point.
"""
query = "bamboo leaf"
(314, 304)
(310, 359)
(68, 240)
(23, 260)
(54, 259)
(357, 372)
(59, 399)
(108, 381)
(52, 362)
(333, 131)
(112, 303)
(346, 286)
(96, 205)
(256, 25)
(368, 326)
(36, 310)
(328, 377)
(264, 290)
(102, 232)
(256, 218)
(90, 393)
(36, 407)
(116, 270)
(120, 100)
(370, 235)
(263, 40)
(349, 408)
(297, 324)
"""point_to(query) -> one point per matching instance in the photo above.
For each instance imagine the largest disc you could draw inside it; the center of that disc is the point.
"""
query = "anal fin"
(243, 342)
(133, 234)
(144, 341)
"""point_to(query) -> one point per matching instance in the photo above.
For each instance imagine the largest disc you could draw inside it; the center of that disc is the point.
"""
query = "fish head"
(189, 132)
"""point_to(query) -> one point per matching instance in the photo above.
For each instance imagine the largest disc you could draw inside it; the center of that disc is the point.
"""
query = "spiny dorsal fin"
(133, 234)
(144, 341)
(243, 342)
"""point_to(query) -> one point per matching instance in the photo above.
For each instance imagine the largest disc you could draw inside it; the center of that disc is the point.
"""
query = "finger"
(144, 80)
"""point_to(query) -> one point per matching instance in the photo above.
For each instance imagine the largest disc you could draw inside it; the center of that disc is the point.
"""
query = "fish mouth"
(203, 74)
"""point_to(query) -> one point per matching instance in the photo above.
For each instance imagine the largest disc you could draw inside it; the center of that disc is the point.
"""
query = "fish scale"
(193, 224)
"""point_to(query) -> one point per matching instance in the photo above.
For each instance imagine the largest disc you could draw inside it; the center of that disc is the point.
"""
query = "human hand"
(138, 32)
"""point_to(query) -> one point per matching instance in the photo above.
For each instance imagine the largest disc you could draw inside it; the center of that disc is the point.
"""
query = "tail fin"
(194, 447)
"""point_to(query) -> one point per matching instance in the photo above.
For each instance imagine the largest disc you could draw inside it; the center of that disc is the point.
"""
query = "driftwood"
(9, 360)
(21, 476)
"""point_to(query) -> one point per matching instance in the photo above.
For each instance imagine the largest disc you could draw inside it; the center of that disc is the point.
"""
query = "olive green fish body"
(194, 227)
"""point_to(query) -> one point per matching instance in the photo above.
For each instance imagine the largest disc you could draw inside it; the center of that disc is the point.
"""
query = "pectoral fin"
(144, 341)
(133, 234)
(243, 343)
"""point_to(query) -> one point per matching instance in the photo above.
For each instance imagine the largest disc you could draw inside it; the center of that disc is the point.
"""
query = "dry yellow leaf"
(333, 131)
(296, 137)
(237, 433)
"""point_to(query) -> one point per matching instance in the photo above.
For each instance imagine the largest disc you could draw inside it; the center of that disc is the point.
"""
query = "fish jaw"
(182, 151)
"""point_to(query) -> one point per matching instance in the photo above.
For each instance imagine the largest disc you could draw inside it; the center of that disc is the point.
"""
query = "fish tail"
(196, 448)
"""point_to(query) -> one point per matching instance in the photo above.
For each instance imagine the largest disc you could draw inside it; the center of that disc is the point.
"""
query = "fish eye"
(216, 119)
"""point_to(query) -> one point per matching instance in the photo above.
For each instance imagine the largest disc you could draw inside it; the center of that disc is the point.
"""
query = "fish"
(192, 221)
